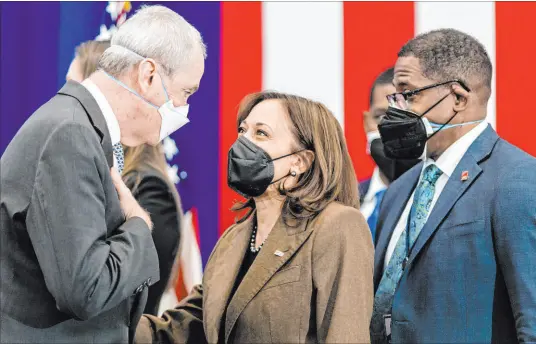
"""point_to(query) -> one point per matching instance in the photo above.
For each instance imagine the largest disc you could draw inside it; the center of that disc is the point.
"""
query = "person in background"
(145, 174)
(456, 241)
(371, 191)
(77, 254)
(297, 267)
(86, 59)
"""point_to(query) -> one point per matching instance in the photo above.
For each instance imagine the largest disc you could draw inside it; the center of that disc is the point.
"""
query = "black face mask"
(404, 134)
(250, 170)
(390, 168)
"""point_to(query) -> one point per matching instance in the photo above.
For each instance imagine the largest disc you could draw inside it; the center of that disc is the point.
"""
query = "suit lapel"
(93, 111)
(226, 267)
(400, 200)
(281, 238)
(456, 187)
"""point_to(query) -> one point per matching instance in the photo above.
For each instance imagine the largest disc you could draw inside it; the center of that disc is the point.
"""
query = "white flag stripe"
(303, 51)
(474, 18)
(168, 301)
(191, 265)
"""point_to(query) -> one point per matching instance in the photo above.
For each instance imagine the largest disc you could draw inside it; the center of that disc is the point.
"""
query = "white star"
(170, 148)
(172, 173)
(104, 34)
(113, 8)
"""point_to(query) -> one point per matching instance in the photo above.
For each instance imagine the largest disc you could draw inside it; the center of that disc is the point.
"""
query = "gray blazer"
(73, 271)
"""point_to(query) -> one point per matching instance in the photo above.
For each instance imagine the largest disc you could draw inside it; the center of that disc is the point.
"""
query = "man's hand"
(129, 205)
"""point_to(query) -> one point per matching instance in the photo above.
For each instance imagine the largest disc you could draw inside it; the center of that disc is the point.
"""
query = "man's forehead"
(407, 72)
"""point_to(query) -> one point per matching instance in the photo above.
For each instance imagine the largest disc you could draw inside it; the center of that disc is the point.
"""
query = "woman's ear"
(305, 161)
(462, 98)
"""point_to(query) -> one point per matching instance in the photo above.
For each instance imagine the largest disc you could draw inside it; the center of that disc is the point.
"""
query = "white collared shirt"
(447, 163)
(107, 112)
(369, 201)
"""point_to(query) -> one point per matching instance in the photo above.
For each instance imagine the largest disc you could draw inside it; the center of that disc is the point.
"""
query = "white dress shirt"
(369, 201)
(107, 112)
(447, 163)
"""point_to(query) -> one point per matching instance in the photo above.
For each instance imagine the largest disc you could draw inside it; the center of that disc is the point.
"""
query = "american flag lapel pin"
(465, 175)
(279, 253)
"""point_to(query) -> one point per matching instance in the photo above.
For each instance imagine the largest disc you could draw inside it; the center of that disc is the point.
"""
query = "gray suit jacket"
(73, 271)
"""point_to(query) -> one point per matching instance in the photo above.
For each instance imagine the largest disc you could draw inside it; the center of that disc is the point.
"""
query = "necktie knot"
(431, 174)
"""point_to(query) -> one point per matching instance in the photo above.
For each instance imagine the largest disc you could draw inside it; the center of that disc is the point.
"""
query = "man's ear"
(462, 98)
(146, 73)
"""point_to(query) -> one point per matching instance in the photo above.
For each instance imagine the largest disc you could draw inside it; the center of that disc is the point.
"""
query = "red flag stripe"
(241, 73)
(373, 34)
(515, 52)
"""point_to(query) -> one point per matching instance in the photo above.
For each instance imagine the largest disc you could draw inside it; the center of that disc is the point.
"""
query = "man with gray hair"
(456, 238)
(77, 253)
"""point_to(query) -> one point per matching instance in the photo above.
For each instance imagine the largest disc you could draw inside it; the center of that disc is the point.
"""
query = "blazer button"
(148, 282)
(139, 289)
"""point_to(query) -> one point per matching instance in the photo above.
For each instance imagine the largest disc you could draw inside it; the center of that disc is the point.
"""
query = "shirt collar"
(106, 109)
(450, 158)
(376, 185)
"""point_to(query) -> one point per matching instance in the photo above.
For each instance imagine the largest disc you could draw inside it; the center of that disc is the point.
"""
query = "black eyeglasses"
(400, 99)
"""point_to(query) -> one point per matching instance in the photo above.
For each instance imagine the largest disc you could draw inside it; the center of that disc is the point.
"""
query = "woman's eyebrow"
(261, 124)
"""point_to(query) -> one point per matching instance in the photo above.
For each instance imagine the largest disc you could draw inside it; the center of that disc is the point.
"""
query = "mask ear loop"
(291, 173)
(444, 124)
(164, 86)
(130, 89)
(284, 156)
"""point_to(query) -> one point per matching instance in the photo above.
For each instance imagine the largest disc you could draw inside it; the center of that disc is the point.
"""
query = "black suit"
(73, 270)
(156, 196)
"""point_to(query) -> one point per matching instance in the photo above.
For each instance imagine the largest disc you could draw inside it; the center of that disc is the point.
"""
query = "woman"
(145, 173)
(297, 267)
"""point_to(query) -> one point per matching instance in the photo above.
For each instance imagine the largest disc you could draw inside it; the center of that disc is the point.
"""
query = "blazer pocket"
(465, 227)
(287, 275)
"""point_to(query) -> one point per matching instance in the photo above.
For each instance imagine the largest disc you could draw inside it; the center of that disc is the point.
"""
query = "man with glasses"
(456, 241)
(371, 191)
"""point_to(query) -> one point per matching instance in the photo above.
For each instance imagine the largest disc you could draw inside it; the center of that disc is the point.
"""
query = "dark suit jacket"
(471, 275)
(363, 189)
(72, 269)
(154, 194)
(316, 289)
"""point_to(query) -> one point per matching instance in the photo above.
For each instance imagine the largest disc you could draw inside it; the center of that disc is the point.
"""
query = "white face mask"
(371, 136)
(173, 118)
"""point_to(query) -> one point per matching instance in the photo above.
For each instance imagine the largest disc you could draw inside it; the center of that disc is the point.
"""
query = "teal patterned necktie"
(119, 156)
(383, 300)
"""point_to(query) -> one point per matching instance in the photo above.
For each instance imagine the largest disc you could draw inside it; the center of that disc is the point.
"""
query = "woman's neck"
(268, 212)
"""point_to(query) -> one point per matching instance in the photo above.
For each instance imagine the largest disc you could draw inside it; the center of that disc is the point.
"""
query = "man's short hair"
(385, 78)
(448, 54)
(153, 32)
